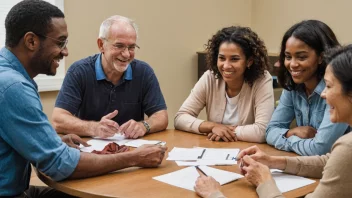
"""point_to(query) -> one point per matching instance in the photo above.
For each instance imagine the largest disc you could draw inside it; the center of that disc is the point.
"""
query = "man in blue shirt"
(110, 92)
(36, 38)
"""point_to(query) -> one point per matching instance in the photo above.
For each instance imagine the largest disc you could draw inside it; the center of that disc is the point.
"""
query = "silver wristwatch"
(146, 125)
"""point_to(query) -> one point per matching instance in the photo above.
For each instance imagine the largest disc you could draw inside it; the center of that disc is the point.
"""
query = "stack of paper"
(286, 182)
(99, 143)
(186, 178)
(203, 156)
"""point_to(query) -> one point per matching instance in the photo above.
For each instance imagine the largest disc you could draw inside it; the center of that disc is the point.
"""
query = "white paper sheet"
(116, 137)
(140, 142)
(186, 178)
(223, 177)
(99, 143)
(185, 153)
(220, 154)
(207, 162)
(286, 182)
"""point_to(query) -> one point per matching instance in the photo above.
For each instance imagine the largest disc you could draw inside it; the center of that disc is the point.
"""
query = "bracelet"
(147, 126)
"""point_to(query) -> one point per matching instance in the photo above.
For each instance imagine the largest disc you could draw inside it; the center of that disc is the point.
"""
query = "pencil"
(201, 171)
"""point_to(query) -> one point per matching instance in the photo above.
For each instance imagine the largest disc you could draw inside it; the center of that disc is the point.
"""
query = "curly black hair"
(29, 16)
(252, 46)
(318, 36)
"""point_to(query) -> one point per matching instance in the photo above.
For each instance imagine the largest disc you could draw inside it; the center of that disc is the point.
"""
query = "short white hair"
(107, 23)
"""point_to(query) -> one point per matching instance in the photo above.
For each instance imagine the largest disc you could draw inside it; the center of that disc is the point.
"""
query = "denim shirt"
(26, 135)
(312, 111)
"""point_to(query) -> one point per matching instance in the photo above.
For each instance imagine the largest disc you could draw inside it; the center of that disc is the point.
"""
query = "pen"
(201, 171)
(200, 157)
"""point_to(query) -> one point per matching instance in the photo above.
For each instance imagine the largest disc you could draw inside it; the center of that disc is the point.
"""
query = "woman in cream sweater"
(333, 168)
(237, 90)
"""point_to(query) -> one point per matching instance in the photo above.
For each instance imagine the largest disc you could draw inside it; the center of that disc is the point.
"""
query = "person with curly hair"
(332, 169)
(237, 90)
(302, 68)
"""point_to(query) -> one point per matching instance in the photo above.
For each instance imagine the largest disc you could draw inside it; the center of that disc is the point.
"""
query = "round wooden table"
(138, 182)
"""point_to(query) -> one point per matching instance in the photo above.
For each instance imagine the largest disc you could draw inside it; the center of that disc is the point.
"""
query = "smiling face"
(301, 61)
(231, 62)
(114, 57)
(46, 59)
(340, 103)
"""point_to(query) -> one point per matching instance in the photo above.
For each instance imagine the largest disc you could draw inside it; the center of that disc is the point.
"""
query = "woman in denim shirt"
(302, 68)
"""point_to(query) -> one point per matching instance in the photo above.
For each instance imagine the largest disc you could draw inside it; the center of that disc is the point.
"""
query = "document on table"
(286, 182)
(223, 177)
(186, 178)
(219, 154)
(185, 153)
(203, 156)
(207, 163)
(99, 143)
(140, 142)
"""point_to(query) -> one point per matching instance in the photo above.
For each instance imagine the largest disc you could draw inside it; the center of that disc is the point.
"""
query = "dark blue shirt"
(26, 135)
(87, 94)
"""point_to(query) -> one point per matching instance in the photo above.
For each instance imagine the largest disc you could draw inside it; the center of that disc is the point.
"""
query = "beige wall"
(170, 34)
(271, 18)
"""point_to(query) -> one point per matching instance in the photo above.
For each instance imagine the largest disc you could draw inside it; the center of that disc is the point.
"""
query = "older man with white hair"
(111, 91)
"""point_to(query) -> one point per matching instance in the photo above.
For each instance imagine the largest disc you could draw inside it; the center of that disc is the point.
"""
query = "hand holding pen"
(254, 165)
(258, 155)
(205, 186)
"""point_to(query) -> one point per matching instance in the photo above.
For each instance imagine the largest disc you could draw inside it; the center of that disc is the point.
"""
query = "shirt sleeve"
(29, 132)
(186, 117)
(263, 110)
(280, 123)
(216, 194)
(70, 95)
(153, 100)
(269, 189)
(306, 166)
(325, 137)
(327, 133)
(336, 180)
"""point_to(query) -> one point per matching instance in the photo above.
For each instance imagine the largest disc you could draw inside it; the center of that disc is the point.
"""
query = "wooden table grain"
(137, 182)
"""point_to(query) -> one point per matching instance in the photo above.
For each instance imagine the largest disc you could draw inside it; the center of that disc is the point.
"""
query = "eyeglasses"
(122, 47)
(61, 45)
